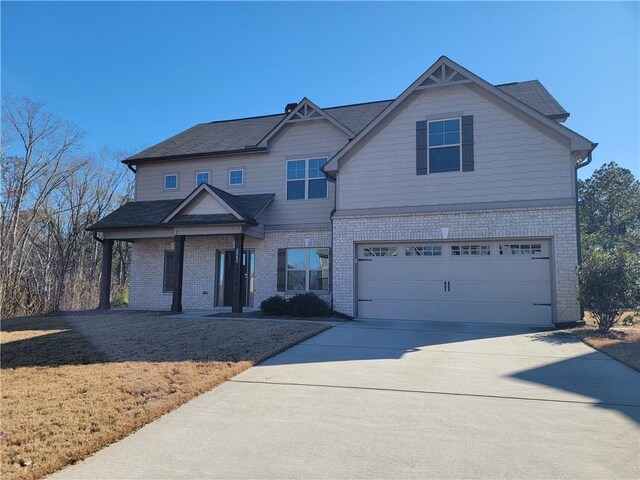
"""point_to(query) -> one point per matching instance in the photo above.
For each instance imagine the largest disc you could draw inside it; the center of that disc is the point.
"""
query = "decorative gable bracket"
(305, 111)
(443, 76)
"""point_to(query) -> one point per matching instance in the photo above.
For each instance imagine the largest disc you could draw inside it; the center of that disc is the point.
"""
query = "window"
(380, 251)
(470, 250)
(167, 281)
(444, 146)
(424, 251)
(520, 249)
(171, 181)
(202, 177)
(305, 179)
(236, 177)
(308, 269)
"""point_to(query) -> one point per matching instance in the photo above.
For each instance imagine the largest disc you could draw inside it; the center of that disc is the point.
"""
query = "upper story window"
(305, 179)
(236, 177)
(202, 177)
(444, 146)
(171, 181)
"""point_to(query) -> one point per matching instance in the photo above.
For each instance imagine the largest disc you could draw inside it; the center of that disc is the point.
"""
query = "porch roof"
(150, 214)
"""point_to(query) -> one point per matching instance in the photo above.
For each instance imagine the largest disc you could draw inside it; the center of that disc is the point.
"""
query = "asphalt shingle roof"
(150, 213)
(534, 94)
(245, 133)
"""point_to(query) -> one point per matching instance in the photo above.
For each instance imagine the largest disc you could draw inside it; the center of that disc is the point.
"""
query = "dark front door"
(225, 278)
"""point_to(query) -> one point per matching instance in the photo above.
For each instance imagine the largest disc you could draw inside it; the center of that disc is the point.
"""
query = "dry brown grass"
(72, 384)
(621, 342)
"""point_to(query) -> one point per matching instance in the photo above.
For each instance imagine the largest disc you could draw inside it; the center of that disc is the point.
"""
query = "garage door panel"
(411, 310)
(511, 288)
(402, 289)
(489, 312)
(401, 269)
(497, 291)
(468, 312)
(505, 270)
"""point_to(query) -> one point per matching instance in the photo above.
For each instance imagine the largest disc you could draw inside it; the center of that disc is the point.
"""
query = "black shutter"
(169, 261)
(422, 148)
(467, 143)
(282, 269)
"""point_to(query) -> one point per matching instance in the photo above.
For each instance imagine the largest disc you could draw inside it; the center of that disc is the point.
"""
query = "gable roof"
(243, 135)
(534, 94)
(445, 72)
(146, 214)
(227, 137)
(305, 110)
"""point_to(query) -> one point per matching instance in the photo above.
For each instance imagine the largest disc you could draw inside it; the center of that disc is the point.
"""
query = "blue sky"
(133, 74)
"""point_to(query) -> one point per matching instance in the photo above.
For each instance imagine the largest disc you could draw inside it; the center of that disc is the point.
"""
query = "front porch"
(188, 273)
(209, 228)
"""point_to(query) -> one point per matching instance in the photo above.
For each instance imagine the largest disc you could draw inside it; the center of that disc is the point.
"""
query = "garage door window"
(520, 249)
(470, 250)
(308, 269)
(380, 251)
(424, 250)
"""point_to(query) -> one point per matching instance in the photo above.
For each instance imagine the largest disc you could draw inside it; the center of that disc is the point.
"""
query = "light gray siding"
(514, 161)
(264, 173)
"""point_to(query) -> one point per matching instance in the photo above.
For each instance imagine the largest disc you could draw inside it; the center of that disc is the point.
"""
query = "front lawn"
(621, 342)
(72, 384)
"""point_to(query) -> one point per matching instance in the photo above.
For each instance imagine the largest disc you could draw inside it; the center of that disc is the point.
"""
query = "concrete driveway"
(392, 399)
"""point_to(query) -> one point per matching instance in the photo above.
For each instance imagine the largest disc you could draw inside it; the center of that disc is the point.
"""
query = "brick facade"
(199, 281)
(557, 224)
(199, 276)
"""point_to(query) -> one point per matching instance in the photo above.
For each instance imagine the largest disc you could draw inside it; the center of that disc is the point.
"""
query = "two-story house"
(455, 201)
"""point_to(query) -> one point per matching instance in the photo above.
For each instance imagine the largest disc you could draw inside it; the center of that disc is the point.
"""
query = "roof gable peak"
(443, 73)
(305, 111)
(191, 202)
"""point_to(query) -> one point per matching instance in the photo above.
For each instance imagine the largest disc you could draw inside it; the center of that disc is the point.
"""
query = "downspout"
(578, 236)
(96, 237)
(130, 167)
(335, 207)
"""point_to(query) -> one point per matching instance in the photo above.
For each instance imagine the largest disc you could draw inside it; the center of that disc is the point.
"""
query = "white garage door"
(491, 282)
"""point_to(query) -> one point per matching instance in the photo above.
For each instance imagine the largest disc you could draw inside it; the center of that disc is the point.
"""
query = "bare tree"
(50, 194)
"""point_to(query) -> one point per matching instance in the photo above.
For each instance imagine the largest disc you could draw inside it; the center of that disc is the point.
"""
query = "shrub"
(308, 305)
(609, 285)
(275, 305)
(120, 296)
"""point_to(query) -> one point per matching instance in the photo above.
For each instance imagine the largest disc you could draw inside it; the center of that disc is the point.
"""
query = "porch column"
(105, 277)
(238, 240)
(178, 256)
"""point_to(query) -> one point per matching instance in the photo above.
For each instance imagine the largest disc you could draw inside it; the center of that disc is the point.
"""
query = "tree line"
(609, 207)
(51, 190)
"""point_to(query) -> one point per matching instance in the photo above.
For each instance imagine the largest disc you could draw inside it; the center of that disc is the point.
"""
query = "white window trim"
(306, 179)
(307, 269)
(207, 172)
(164, 181)
(229, 177)
(459, 144)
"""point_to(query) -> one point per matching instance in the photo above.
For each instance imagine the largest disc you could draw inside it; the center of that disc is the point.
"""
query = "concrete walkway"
(383, 399)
